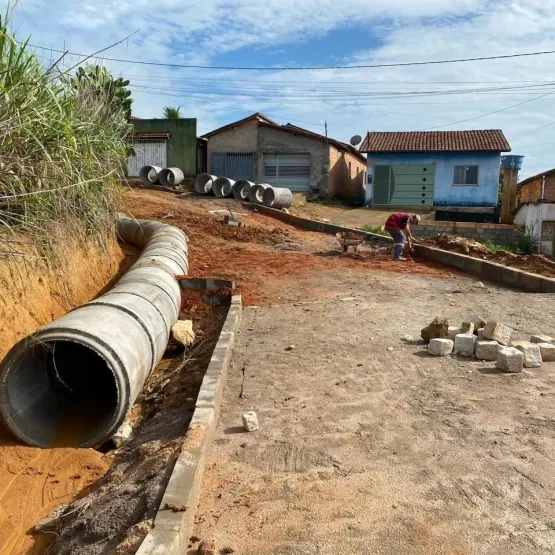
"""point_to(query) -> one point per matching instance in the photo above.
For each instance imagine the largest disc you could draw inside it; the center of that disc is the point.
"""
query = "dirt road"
(366, 450)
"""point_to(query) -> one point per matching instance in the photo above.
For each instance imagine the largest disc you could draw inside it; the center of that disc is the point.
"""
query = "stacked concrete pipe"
(276, 197)
(171, 177)
(256, 193)
(223, 187)
(203, 183)
(150, 174)
(241, 189)
(90, 365)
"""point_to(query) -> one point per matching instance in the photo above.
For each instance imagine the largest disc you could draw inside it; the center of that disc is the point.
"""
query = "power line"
(309, 68)
(532, 131)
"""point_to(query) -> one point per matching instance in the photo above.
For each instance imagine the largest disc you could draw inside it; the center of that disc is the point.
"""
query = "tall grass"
(62, 146)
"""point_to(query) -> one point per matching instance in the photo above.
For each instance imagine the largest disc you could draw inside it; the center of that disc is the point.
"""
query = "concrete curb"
(488, 271)
(171, 531)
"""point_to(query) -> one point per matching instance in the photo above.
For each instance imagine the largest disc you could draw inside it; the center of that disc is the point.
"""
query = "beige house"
(260, 150)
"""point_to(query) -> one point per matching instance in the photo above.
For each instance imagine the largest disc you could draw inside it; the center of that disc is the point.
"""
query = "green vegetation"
(376, 229)
(63, 143)
(172, 113)
(524, 246)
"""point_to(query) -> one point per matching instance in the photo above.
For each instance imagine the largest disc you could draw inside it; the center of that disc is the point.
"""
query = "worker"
(398, 226)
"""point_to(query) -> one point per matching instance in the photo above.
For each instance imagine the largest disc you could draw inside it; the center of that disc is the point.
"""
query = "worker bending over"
(398, 226)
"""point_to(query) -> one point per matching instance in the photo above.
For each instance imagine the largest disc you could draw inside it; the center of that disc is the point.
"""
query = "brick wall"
(344, 183)
(532, 191)
(500, 234)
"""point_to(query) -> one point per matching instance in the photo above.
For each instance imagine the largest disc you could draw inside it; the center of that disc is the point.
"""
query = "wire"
(532, 131)
(269, 68)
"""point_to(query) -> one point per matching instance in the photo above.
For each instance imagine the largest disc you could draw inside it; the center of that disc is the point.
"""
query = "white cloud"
(194, 31)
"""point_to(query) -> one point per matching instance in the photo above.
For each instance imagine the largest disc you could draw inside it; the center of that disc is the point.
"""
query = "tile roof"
(486, 140)
(257, 116)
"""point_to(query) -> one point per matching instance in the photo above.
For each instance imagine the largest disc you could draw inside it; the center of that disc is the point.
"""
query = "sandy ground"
(363, 449)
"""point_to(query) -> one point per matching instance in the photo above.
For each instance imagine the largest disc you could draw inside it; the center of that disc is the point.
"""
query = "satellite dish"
(355, 140)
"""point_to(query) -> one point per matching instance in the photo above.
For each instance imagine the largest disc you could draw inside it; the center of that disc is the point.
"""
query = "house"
(258, 149)
(164, 143)
(455, 173)
(536, 209)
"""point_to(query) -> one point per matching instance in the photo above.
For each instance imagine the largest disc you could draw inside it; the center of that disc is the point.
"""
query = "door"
(288, 170)
(235, 165)
(404, 185)
(148, 152)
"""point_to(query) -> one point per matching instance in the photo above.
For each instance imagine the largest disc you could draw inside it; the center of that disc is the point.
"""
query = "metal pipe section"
(223, 187)
(256, 193)
(241, 189)
(275, 197)
(149, 174)
(89, 365)
(203, 183)
(171, 177)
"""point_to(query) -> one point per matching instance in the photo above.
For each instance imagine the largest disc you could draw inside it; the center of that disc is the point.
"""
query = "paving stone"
(250, 421)
(481, 334)
(532, 353)
(453, 331)
(467, 327)
(498, 332)
(476, 319)
(440, 347)
(464, 344)
(486, 350)
(542, 339)
(547, 351)
(510, 359)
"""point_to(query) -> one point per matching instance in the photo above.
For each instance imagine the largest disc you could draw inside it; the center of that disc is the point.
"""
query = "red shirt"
(397, 221)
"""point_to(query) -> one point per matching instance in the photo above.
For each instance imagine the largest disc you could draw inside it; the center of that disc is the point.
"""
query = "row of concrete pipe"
(257, 193)
(168, 177)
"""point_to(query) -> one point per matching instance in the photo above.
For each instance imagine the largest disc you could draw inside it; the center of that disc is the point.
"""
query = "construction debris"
(250, 421)
(498, 332)
(487, 350)
(439, 328)
(547, 351)
(123, 435)
(49, 523)
(206, 548)
(531, 351)
(510, 360)
(182, 332)
(440, 347)
(464, 344)
(477, 320)
(467, 327)
(542, 339)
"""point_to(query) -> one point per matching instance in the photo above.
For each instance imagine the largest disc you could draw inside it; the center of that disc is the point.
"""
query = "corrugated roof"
(484, 140)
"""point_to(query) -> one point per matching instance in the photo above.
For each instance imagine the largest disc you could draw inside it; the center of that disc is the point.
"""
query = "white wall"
(531, 216)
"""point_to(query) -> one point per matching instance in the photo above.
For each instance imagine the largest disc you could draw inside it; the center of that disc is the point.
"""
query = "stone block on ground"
(182, 332)
(542, 339)
(531, 351)
(467, 327)
(498, 332)
(250, 421)
(548, 351)
(486, 350)
(49, 523)
(436, 329)
(452, 332)
(464, 344)
(123, 435)
(440, 347)
(476, 319)
(510, 359)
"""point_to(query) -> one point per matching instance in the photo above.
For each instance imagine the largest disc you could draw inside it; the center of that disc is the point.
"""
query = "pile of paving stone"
(488, 341)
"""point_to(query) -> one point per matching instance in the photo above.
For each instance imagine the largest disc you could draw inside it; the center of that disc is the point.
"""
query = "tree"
(172, 113)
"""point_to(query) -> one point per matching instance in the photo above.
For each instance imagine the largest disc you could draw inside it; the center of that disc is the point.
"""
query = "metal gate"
(288, 170)
(235, 165)
(148, 152)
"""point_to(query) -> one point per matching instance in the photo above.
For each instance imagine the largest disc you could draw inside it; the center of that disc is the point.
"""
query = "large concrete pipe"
(88, 367)
(223, 187)
(150, 174)
(276, 197)
(171, 177)
(256, 193)
(241, 189)
(203, 183)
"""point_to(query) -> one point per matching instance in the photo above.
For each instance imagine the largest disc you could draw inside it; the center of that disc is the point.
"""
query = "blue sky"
(324, 32)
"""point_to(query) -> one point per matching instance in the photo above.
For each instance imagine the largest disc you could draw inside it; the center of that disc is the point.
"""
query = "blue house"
(446, 171)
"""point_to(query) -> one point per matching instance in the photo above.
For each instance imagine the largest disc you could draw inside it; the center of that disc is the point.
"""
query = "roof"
(484, 140)
(537, 176)
(289, 128)
(150, 135)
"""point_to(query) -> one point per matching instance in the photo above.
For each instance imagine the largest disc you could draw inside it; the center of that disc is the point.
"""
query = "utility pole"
(326, 126)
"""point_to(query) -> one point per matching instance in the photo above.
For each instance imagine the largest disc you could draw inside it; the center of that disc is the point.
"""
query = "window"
(466, 175)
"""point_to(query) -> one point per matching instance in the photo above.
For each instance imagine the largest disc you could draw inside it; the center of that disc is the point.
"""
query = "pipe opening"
(61, 393)
(269, 196)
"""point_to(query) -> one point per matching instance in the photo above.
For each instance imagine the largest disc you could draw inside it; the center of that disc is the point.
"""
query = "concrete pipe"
(87, 367)
(241, 189)
(256, 194)
(171, 177)
(223, 187)
(275, 197)
(203, 183)
(150, 174)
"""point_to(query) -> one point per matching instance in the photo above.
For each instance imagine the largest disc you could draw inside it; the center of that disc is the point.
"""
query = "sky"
(316, 33)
